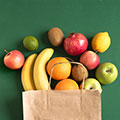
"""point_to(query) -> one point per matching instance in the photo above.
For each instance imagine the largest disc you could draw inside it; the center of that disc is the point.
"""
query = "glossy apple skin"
(92, 83)
(90, 59)
(14, 60)
(106, 73)
(75, 44)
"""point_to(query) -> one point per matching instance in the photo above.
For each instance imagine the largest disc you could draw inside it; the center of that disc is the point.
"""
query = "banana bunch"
(33, 73)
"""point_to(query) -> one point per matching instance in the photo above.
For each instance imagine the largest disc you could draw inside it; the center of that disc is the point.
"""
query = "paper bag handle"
(78, 63)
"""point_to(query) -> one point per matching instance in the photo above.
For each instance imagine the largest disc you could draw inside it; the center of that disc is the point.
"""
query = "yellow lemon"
(101, 42)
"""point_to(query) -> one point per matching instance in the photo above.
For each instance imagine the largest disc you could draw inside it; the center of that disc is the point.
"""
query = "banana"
(27, 73)
(39, 73)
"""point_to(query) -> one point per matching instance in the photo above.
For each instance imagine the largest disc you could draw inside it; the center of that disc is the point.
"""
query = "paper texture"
(62, 105)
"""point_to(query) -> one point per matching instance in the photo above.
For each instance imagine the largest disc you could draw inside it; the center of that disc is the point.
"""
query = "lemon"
(30, 43)
(101, 42)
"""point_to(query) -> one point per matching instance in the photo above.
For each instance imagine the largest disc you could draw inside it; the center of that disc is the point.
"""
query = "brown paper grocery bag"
(62, 104)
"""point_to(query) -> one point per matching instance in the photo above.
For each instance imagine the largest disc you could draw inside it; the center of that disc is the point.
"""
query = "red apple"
(90, 59)
(75, 44)
(14, 59)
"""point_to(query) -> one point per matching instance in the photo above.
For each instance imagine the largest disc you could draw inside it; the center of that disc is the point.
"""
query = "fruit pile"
(36, 69)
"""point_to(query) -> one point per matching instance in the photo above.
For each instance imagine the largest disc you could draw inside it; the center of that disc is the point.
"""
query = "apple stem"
(72, 33)
(108, 70)
(6, 51)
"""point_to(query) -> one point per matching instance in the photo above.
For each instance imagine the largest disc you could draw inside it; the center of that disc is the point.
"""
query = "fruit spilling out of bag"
(38, 69)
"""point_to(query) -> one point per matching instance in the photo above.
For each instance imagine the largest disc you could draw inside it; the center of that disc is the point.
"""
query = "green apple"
(92, 83)
(106, 73)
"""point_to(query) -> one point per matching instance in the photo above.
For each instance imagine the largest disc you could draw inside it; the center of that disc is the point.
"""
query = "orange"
(67, 84)
(60, 71)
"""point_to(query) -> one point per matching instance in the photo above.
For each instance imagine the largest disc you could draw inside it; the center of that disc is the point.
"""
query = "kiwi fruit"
(78, 73)
(55, 36)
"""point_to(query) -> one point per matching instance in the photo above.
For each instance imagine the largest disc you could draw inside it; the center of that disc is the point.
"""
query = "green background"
(19, 18)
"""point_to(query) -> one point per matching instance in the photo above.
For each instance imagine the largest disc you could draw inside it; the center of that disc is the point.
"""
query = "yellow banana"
(39, 73)
(27, 73)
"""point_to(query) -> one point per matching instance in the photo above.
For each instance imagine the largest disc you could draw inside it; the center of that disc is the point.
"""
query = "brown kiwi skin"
(78, 71)
(56, 36)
